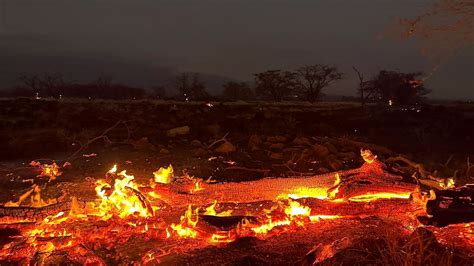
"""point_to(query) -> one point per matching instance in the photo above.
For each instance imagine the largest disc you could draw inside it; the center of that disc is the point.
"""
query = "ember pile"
(170, 216)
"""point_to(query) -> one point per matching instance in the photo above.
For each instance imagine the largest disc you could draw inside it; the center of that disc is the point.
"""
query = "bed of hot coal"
(338, 217)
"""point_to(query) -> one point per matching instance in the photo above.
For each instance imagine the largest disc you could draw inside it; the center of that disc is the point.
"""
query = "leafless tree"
(364, 91)
(312, 79)
(46, 85)
(103, 82)
(190, 87)
(52, 84)
(31, 82)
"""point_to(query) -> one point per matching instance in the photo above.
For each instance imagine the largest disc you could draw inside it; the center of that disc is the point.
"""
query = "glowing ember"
(448, 183)
(122, 212)
(317, 218)
(47, 170)
(335, 188)
(223, 237)
(113, 170)
(35, 199)
(368, 156)
(295, 209)
(284, 215)
(380, 195)
(269, 225)
(318, 193)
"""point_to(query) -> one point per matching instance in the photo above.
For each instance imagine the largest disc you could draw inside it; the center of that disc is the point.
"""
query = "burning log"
(373, 180)
(145, 202)
(451, 206)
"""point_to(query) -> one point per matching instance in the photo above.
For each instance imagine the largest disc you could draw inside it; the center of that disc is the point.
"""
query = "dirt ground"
(282, 139)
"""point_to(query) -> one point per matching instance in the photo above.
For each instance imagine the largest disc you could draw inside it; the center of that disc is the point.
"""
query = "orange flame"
(197, 186)
(185, 228)
(122, 201)
(47, 170)
(212, 211)
(368, 156)
(35, 199)
(164, 175)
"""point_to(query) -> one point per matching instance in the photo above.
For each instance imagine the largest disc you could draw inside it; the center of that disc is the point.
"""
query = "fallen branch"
(418, 167)
(218, 141)
(101, 136)
(240, 168)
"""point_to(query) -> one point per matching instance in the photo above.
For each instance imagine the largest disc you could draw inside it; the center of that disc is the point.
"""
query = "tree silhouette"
(312, 79)
(364, 90)
(397, 88)
(234, 91)
(46, 85)
(276, 84)
(158, 92)
(190, 88)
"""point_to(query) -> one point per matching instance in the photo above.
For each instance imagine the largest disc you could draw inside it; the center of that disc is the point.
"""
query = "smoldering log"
(451, 206)
(226, 222)
(19, 214)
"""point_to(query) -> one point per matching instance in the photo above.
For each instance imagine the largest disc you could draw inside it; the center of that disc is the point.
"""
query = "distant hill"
(85, 69)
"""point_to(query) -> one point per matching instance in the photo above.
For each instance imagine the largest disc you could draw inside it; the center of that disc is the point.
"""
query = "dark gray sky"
(233, 38)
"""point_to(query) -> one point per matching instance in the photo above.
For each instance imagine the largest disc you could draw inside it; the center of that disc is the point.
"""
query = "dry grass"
(392, 248)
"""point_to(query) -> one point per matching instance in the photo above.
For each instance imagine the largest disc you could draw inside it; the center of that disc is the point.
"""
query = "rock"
(347, 156)
(178, 131)
(292, 150)
(196, 143)
(201, 152)
(164, 151)
(331, 147)
(226, 148)
(306, 153)
(323, 170)
(302, 141)
(214, 130)
(335, 164)
(276, 139)
(142, 144)
(277, 146)
(254, 142)
(276, 155)
(267, 144)
(320, 150)
(268, 114)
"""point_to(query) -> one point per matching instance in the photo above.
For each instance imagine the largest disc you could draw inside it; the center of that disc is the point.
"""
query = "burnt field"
(250, 183)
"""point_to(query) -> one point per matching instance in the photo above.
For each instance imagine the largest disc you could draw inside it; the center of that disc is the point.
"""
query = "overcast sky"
(233, 38)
